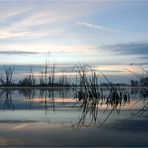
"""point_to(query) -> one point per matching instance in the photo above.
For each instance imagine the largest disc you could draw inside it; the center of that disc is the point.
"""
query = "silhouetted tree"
(6, 79)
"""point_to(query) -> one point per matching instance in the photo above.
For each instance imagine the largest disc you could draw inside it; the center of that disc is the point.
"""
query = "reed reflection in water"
(34, 98)
(77, 113)
(89, 103)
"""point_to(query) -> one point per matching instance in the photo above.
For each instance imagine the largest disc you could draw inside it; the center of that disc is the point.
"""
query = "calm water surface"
(53, 117)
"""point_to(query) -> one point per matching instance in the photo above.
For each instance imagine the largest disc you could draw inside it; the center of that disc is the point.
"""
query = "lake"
(56, 117)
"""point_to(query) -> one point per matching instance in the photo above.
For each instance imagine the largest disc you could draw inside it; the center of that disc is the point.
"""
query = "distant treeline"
(48, 77)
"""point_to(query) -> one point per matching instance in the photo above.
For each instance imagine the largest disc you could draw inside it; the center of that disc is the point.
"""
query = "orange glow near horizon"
(118, 69)
(55, 100)
(132, 104)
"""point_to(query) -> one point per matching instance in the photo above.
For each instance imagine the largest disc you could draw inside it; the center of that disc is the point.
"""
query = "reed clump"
(91, 96)
(143, 82)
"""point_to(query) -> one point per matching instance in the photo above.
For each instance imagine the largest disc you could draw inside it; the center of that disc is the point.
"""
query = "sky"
(108, 35)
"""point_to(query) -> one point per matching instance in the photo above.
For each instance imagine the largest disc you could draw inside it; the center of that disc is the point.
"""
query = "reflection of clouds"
(3, 141)
(20, 126)
(8, 141)
(56, 100)
(132, 105)
(134, 125)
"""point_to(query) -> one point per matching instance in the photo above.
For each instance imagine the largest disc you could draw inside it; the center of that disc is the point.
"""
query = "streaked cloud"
(128, 48)
(36, 21)
(18, 52)
(98, 27)
(21, 52)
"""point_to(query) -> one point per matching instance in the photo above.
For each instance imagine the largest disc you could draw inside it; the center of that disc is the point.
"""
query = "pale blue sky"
(68, 32)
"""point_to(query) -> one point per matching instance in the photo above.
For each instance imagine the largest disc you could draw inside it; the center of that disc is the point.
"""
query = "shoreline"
(59, 87)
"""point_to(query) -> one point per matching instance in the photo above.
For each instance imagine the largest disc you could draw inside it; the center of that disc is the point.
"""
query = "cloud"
(21, 52)
(13, 9)
(98, 27)
(139, 49)
(29, 23)
(36, 21)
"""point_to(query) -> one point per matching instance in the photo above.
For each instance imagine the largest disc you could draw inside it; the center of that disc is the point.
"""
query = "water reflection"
(34, 98)
(7, 102)
(92, 101)
(89, 103)
(143, 97)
